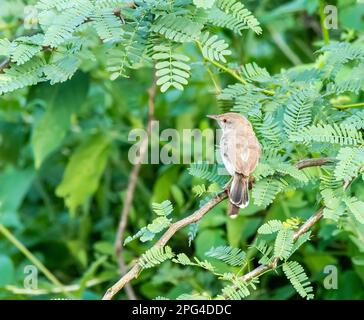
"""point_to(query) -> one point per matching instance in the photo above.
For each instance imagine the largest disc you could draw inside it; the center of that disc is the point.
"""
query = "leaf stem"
(348, 106)
(216, 85)
(325, 31)
(228, 70)
(50, 276)
(221, 66)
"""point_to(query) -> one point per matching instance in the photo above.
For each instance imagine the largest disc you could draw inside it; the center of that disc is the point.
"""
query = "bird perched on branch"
(240, 151)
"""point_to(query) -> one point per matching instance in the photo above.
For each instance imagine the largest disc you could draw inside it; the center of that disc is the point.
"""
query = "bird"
(240, 152)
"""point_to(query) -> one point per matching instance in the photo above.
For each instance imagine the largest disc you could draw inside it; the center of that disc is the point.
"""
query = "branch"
(348, 106)
(173, 228)
(196, 216)
(316, 162)
(303, 229)
(128, 200)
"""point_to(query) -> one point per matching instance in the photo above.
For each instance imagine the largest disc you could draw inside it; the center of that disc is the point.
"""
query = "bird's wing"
(247, 154)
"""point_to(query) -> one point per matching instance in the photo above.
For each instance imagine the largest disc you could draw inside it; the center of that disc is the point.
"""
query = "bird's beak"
(213, 116)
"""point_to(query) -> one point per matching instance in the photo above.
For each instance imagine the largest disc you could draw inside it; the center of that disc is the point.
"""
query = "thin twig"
(67, 288)
(196, 216)
(325, 31)
(348, 106)
(24, 250)
(128, 200)
(316, 162)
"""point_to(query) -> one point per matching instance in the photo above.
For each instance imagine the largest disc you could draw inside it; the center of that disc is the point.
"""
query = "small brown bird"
(240, 151)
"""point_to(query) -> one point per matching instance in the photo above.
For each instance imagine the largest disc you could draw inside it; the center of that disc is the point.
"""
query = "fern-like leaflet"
(21, 76)
(209, 172)
(356, 120)
(298, 112)
(356, 207)
(25, 48)
(283, 244)
(265, 190)
(351, 162)
(177, 28)
(253, 73)
(66, 22)
(107, 25)
(270, 227)
(298, 278)
(237, 10)
(229, 255)
(155, 256)
(326, 133)
(171, 68)
(163, 209)
(214, 48)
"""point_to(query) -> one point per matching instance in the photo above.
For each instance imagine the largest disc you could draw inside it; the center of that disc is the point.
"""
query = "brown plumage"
(240, 152)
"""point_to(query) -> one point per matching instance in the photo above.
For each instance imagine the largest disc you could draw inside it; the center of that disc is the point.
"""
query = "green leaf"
(163, 209)
(297, 276)
(206, 4)
(14, 185)
(231, 256)
(357, 208)
(61, 100)
(270, 227)
(159, 224)
(6, 270)
(155, 256)
(283, 244)
(326, 133)
(84, 170)
(351, 161)
(265, 190)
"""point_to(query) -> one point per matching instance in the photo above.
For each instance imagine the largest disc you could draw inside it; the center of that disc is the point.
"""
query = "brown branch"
(196, 216)
(173, 228)
(133, 178)
(316, 162)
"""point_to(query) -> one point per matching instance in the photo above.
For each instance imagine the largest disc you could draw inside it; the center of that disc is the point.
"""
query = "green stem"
(325, 32)
(216, 85)
(228, 70)
(7, 234)
(221, 66)
(348, 106)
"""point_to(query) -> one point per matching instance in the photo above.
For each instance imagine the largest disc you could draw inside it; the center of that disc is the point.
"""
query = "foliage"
(74, 80)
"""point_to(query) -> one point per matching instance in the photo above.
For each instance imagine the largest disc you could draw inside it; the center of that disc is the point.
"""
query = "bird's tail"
(239, 194)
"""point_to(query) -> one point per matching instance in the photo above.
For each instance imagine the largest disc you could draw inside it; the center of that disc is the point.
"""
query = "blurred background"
(77, 246)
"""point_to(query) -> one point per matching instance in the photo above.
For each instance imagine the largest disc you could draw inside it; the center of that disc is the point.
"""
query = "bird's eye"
(224, 120)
